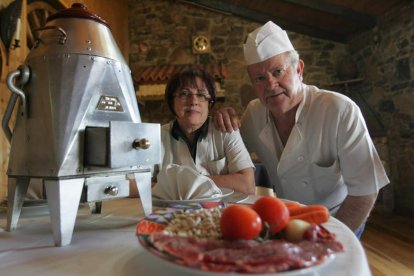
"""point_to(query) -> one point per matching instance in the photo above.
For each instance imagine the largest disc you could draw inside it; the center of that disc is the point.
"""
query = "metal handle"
(111, 190)
(141, 143)
(22, 74)
(62, 39)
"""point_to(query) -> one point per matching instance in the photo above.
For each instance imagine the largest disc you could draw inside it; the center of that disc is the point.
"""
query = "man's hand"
(226, 119)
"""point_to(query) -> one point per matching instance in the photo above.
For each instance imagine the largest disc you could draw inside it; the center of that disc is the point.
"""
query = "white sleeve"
(361, 166)
(236, 153)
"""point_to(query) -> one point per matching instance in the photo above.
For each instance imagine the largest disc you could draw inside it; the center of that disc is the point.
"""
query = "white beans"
(200, 223)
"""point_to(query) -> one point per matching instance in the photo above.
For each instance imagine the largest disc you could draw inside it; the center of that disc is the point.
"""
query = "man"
(314, 143)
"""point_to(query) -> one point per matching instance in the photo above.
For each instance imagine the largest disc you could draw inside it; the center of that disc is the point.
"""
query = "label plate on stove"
(109, 103)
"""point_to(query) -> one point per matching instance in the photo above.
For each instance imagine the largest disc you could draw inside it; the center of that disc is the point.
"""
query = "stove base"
(63, 197)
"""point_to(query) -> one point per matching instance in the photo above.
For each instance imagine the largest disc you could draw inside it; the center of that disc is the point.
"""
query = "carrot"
(313, 214)
(306, 209)
(316, 217)
(292, 204)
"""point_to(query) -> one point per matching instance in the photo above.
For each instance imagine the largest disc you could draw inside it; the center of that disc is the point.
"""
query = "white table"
(106, 244)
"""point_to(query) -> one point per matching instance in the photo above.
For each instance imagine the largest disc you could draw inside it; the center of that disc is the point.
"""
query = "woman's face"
(191, 102)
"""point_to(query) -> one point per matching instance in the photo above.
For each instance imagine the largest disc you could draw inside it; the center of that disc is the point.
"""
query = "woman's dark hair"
(186, 77)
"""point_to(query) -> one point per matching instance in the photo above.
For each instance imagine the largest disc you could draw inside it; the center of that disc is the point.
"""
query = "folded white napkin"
(177, 182)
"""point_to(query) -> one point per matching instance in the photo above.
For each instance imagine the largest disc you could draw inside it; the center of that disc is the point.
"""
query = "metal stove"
(78, 126)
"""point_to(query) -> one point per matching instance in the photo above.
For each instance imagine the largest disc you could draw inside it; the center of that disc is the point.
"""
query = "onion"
(295, 229)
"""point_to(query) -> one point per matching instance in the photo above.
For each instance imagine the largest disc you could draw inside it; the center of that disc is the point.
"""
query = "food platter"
(164, 215)
(225, 192)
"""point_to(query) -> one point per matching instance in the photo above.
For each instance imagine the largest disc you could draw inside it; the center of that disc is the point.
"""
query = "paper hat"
(266, 42)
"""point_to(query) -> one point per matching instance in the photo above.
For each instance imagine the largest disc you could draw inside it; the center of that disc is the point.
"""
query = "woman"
(192, 140)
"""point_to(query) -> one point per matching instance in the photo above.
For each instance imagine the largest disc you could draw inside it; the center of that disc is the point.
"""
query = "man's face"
(278, 84)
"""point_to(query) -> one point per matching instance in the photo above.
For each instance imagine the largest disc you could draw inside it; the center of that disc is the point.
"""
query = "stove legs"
(17, 188)
(63, 199)
(143, 181)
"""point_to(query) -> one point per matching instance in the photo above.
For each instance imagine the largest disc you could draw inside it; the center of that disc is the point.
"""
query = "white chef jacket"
(217, 153)
(328, 155)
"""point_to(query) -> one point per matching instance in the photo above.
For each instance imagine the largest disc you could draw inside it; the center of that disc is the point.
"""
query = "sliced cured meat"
(246, 256)
(189, 248)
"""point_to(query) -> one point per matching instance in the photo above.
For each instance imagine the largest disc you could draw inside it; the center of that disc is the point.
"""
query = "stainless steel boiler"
(78, 126)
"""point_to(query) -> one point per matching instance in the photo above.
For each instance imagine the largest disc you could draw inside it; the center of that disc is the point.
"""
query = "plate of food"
(190, 237)
(225, 192)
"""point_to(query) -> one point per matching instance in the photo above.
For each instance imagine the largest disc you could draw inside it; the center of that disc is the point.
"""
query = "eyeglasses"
(185, 95)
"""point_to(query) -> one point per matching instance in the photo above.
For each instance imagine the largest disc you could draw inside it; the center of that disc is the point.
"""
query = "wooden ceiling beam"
(230, 9)
(364, 19)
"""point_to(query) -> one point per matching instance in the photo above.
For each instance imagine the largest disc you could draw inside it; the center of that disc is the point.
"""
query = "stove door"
(133, 144)
(123, 145)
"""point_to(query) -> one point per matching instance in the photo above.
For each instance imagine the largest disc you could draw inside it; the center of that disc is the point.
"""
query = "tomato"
(240, 222)
(146, 227)
(273, 212)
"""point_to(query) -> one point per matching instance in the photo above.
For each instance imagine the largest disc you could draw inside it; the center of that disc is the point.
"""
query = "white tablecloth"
(106, 244)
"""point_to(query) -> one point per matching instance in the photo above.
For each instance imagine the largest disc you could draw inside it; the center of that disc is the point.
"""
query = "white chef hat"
(266, 42)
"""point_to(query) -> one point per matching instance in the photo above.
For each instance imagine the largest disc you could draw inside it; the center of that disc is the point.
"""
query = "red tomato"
(146, 227)
(240, 222)
(273, 212)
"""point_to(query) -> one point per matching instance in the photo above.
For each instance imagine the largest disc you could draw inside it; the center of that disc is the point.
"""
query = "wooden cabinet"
(34, 14)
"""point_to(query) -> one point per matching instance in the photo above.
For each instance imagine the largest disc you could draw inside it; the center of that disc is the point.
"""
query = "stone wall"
(385, 56)
(161, 33)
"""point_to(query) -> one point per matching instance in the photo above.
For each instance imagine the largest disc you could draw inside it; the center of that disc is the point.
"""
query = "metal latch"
(111, 190)
(141, 143)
